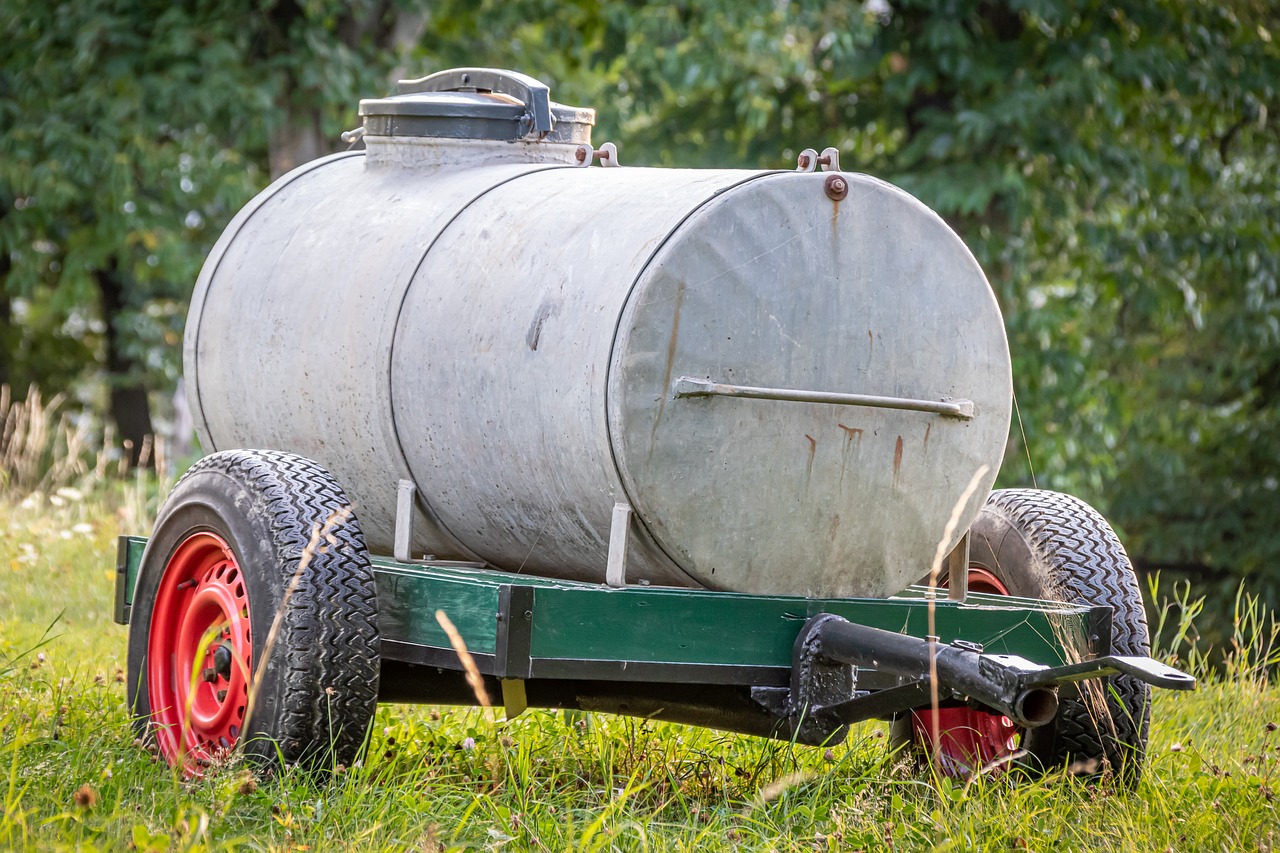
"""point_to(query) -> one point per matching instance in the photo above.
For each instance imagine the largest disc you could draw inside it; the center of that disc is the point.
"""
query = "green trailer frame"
(722, 659)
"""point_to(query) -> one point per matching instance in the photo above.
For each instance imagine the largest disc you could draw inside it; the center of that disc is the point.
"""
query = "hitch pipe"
(823, 698)
(960, 668)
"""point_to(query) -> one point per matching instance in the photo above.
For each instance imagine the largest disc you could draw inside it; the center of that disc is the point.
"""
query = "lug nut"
(222, 657)
(221, 694)
(209, 675)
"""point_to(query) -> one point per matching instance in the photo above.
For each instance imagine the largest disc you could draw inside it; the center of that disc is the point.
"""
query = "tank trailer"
(711, 446)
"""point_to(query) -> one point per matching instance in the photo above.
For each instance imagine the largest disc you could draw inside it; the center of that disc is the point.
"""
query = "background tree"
(115, 176)
(129, 134)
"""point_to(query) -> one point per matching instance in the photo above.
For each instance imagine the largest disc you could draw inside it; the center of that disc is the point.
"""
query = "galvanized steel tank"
(531, 342)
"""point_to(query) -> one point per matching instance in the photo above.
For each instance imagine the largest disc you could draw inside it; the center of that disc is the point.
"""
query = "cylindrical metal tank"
(531, 342)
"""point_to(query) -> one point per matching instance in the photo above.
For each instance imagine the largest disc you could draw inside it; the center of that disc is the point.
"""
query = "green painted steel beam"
(566, 629)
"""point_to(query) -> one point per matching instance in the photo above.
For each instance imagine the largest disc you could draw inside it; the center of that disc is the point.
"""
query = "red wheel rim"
(962, 741)
(199, 653)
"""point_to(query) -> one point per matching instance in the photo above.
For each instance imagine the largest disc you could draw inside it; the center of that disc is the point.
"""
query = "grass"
(450, 778)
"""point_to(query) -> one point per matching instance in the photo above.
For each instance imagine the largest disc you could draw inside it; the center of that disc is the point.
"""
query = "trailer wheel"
(255, 618)
(1042, 544)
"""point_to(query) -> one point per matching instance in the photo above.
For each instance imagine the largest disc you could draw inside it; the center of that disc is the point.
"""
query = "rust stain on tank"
(927, 429)
(897, 460)
(850, 433)
(871, 344)
(671, 360)
(808, 470)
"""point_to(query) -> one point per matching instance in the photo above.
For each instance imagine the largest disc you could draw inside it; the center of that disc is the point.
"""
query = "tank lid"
(477, 103)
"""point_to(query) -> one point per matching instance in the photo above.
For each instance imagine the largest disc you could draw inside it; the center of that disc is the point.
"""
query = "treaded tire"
(317, 685)
(1048, 545)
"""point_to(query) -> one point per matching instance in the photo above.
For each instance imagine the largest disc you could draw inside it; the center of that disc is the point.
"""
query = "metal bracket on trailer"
(957, 566)
(615, 574)
(406, 491)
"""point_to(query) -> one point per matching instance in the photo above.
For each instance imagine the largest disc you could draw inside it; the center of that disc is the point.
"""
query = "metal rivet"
(836, 187)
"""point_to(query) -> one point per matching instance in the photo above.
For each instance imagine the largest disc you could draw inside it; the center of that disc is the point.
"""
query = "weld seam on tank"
(638, 517)
(420, 498)
(215, 259)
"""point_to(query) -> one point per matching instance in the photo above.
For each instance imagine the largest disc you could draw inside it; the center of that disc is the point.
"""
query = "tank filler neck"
(473, 116)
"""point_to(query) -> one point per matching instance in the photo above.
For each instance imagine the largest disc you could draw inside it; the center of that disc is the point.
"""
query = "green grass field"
(464, 779)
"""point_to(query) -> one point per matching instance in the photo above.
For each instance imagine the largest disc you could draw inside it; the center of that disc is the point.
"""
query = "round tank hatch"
(477, 103)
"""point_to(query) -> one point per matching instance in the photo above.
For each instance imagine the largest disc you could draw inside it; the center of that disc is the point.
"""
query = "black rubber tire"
(317, 690)
(1049, 545)
(1052, 546)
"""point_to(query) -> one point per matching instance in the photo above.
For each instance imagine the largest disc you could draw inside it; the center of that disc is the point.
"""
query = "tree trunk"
(6, 319)
(129, 409)
(298, 140)
(6, 304)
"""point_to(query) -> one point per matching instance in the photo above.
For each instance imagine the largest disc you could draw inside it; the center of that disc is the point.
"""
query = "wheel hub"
(201, 652)
(962, 741)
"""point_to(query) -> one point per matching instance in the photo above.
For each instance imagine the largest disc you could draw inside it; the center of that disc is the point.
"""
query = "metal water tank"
(790, 376)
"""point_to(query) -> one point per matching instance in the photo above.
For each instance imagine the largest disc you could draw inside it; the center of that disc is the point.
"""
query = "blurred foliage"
(1113, 166)
(130, 133)
(107, 158)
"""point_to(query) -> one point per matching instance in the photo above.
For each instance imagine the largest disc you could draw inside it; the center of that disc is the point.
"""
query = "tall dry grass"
(42, 446)
(49, 450)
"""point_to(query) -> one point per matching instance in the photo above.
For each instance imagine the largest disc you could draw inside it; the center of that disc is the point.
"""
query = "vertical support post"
(405, 493)
(615, 573)
(514, 699)
(958, 570)
(1100, 627)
